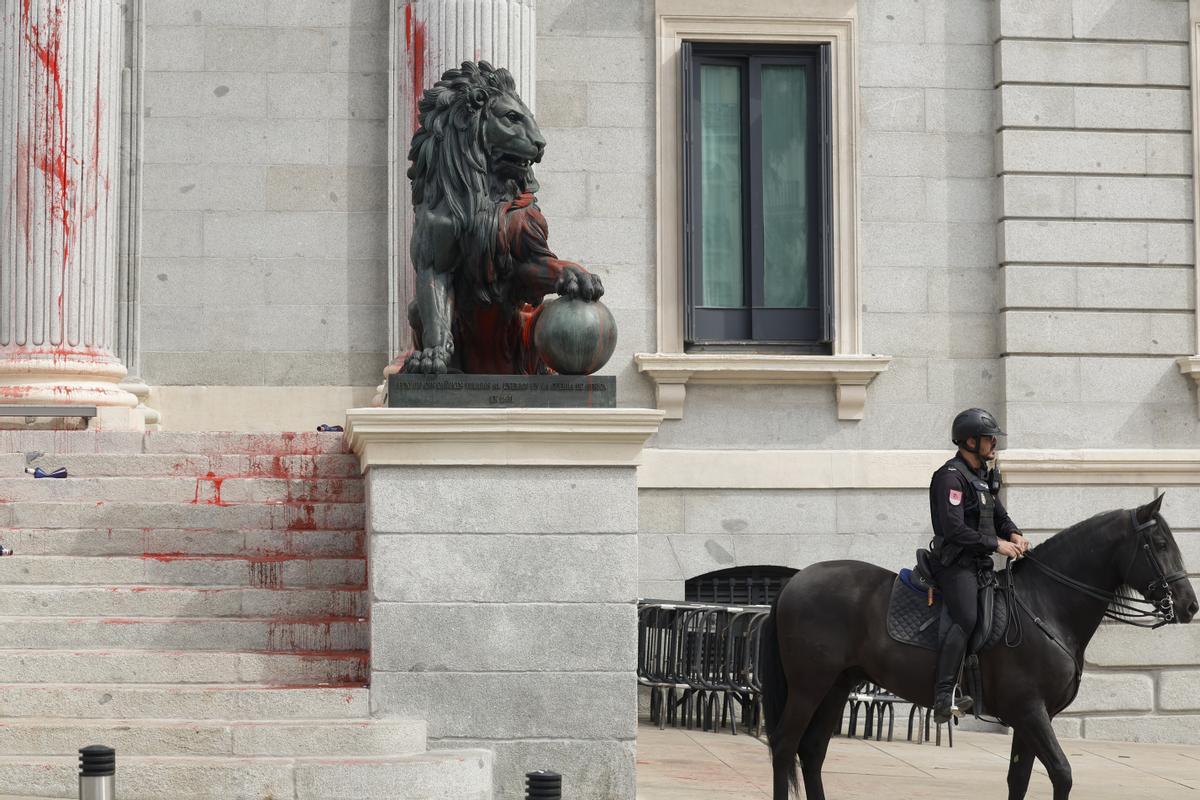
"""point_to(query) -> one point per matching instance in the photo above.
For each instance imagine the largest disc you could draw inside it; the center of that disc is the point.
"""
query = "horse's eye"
(1161, 544)
(513, 116)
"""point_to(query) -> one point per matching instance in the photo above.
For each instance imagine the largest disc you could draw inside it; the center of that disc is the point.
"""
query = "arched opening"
(752, 585)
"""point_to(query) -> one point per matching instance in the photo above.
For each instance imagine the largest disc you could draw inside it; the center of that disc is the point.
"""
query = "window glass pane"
(721, 186)
(785, 187)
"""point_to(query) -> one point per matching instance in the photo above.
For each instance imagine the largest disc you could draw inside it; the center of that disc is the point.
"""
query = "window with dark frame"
(757, 217)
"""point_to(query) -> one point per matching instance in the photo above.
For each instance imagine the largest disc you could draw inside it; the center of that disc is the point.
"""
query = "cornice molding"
(907, 469)
(510, 436)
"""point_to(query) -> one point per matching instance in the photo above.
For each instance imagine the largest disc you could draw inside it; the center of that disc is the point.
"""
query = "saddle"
(915, 609)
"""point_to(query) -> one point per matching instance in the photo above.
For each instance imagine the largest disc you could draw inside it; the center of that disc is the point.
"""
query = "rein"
(1122, 608)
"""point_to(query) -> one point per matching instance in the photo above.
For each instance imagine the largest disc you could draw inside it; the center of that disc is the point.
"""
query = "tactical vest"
(950, 552)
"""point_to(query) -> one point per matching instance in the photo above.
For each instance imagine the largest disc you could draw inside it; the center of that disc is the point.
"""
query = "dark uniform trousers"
(960, 593)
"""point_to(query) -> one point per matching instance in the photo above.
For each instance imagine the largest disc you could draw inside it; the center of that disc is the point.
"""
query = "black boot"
(954, 648)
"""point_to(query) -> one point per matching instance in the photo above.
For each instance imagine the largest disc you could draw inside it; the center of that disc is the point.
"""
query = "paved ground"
(688, 765)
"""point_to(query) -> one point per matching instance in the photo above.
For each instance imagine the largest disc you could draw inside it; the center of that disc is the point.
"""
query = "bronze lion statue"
(479, 248)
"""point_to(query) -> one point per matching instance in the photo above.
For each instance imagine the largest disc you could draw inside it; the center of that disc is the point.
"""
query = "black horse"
(827, 632)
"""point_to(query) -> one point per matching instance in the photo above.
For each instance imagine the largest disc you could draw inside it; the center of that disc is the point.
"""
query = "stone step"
(71, 441)
(440, 775)
(183, 541)
(180, 601)
(335, 668)
(189, 464)
(196, 443)
(249, 516)
(310, 635)
(175, 701)
(174, 570)
(309, 443)
(319, 738)
(205, 490)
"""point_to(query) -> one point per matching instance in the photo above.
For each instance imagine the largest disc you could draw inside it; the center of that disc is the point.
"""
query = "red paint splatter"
(215, 498)
(50, 145)
(414, 43)
(306, 522)
(266, 575)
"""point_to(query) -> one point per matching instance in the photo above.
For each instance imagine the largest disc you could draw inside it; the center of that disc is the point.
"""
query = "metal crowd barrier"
(698, 657)
(872, 702)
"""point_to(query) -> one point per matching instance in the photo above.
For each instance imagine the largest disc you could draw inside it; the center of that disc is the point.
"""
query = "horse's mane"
(1075, 539)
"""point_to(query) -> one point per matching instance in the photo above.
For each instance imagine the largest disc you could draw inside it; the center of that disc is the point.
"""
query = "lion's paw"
(430, 361)
(577, 282)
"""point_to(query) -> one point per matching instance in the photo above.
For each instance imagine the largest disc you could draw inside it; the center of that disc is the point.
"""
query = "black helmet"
(974, 422)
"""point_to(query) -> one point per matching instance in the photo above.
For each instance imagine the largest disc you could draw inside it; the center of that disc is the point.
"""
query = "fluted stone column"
(60, 83)
(429, 37)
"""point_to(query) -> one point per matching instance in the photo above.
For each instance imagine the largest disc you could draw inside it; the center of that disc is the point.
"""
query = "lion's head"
(477, 142)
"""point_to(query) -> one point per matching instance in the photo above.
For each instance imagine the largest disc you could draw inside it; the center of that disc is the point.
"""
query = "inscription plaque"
(410, 390)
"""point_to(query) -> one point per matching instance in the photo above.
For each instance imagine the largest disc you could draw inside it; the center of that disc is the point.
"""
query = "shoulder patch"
(955, 497)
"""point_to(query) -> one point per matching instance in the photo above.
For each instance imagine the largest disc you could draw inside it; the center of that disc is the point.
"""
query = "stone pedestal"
(60, 103)
(503, 575)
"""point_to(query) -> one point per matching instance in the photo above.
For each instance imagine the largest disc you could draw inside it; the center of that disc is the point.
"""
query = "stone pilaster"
(60, 83)
(1095, 240)
(129, 268)
(429, 37)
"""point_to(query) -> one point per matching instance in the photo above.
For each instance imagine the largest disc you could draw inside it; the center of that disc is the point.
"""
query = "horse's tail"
(774, 687)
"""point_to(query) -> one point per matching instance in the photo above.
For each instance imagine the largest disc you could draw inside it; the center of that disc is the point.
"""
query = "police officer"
(969, 524)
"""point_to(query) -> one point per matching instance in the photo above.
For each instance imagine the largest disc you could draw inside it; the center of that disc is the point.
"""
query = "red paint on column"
(21, 189)
(414, 42)
(51, 148)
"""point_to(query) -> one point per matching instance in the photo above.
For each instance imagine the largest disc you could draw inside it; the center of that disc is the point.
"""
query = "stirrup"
(958, 709)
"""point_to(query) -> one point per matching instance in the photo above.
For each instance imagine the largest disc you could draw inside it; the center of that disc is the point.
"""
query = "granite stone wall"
(595, 105)
(265, 192)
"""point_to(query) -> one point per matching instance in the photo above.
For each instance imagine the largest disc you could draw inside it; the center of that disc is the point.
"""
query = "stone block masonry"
(502, 611)
(1095, 237)
(265, 189)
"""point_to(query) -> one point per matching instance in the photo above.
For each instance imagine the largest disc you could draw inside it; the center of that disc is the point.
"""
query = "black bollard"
(543, 785)
(97, 773)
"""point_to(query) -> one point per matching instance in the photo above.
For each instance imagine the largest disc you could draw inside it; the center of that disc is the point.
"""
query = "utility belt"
(955, 555)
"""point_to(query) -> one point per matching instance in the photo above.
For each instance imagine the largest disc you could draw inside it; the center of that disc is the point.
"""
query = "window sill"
(850, 374)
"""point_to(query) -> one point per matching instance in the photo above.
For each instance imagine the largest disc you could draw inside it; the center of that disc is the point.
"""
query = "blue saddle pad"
(906, 578)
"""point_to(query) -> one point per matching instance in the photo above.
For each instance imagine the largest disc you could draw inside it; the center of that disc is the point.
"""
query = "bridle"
(1122, 608)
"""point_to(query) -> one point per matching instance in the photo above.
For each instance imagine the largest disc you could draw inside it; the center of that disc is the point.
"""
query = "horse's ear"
(1146, 513)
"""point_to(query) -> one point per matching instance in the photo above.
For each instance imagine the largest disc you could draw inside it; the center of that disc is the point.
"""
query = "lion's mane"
(450, 168)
